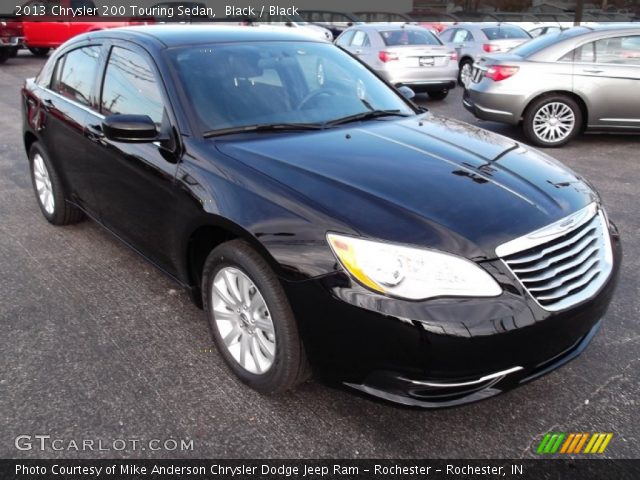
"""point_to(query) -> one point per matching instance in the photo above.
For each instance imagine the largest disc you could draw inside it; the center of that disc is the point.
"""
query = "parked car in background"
(44, 30)
(404, 54)
(317, 216)
(335, 22)
(433, 20)
(11, 37)
(544, 29)
(471, 40)
(384, 17)
(560, 84)
(297, 22)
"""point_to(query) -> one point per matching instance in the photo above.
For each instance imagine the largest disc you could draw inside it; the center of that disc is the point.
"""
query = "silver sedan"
(404, 54)
(560, 84)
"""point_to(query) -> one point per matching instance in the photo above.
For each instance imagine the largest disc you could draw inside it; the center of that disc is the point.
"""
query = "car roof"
(179, 35)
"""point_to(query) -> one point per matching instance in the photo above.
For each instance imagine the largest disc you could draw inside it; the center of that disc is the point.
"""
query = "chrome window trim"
(71, 101)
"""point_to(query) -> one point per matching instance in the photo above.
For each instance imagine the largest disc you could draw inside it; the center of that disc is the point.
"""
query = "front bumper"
(441, 352)
(11, 41)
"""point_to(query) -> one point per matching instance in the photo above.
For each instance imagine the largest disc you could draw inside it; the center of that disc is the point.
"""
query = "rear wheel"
(552, 121)
(438, 94)
(251, 321)
(464, 74)
(49, 190)
(39, 51)
(5, 53)
(14, 52)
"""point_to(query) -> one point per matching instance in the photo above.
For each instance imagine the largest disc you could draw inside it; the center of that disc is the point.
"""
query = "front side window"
(75, 74)
(236, 85)
(618, 50)
(130, 87)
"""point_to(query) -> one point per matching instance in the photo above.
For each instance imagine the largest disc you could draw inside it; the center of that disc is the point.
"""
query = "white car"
(296, 21)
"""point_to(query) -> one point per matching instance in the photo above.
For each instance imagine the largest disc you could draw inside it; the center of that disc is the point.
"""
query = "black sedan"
(322, 220)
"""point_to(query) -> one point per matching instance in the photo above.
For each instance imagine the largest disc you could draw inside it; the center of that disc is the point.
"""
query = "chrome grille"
(564, 263)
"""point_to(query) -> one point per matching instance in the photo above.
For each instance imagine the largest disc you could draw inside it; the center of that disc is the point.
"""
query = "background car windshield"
(505, 32)
(540, 43)
(235, 85)
(399, 37)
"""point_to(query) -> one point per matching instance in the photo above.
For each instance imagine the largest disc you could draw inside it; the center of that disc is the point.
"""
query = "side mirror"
(406, 92)
(130, 128)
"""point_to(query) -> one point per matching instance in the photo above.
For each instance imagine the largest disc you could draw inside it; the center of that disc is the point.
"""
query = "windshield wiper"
(368, 115)
(267, 127)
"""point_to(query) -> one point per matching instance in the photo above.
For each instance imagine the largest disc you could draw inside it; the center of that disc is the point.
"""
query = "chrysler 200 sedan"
(324, 222)
(560, 84)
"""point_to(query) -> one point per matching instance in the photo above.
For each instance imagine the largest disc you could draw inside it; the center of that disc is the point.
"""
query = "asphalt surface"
(97, 344)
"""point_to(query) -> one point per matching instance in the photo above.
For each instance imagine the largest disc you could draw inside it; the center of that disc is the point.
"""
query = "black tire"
(468, 62)
(5, 53)
(14, 52)
(63, 212)
(537, 105)
(290, 366)
(438, 94)
(39, 51)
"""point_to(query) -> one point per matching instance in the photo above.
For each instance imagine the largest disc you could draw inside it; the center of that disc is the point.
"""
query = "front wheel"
(251, 321)
(552, 121)
(39, 51)
(438, 95)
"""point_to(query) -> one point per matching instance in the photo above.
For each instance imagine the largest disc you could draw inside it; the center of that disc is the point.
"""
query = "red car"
(43, 29)
(10, 39)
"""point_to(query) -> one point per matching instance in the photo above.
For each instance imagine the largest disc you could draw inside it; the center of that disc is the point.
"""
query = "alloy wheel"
(553, 122)
(43, 184)
(243, 320)
(465, 74)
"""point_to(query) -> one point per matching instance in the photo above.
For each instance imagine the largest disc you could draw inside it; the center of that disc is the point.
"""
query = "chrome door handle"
(358, 52)
(592, 70)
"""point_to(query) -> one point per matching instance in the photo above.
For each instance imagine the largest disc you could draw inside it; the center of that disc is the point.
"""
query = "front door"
(607, 73)
(134, 182)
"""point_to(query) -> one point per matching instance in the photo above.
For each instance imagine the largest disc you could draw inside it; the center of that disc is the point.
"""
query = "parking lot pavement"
(96, 344)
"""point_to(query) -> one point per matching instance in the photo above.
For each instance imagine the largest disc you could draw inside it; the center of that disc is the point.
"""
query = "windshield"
(540, 43)
(504, 32)
(266, 83)
(402, 36)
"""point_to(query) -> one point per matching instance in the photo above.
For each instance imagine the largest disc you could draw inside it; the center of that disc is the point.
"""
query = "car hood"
(425, 180)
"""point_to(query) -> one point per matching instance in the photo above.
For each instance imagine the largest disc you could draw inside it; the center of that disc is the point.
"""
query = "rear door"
(607, 75)
(68, 102)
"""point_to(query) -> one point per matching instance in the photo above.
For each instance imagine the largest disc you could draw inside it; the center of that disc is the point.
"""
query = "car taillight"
(500, 72)
(387, 56)
(454, 55)
(490, 48)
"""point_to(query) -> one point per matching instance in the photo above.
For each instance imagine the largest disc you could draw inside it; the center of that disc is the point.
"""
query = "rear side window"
(393, 38)
(505, 32)
(360, 39)
(462, 36)
(345, 39)
(130, 87)
(75, 74)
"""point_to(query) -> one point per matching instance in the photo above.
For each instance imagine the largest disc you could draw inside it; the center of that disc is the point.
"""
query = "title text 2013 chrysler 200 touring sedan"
(318, 216)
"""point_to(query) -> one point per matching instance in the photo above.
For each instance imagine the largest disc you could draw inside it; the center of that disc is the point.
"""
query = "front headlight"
(411, 273)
